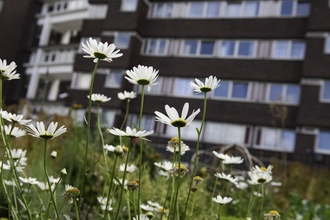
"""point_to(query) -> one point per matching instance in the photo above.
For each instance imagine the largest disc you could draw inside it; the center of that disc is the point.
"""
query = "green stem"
(88, 130)
(179, 173)
(199, 132)
(193, 204)
(77, 208)
(219, 214)
(262, 200)
(251, 203)
(141, 153)
(49, 185)
(111, 184)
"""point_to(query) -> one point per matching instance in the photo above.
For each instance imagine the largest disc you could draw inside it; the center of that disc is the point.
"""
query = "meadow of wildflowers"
(105, 173)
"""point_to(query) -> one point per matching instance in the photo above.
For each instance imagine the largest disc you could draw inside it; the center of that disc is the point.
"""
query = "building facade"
(273, 59)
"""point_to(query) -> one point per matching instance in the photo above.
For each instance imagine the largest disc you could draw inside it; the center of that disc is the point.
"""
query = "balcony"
(56, 61)
(64, 6)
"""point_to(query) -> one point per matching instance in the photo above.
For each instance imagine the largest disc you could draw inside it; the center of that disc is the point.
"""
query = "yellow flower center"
(274, 212)
(179, 123)
(263, 169)
(100, 56)
(174, 139)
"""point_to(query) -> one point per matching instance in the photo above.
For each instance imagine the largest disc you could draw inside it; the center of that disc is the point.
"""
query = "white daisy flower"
(142, 75)
(53, 179)
(121, 181)
(147, 208)
(126, 95)
(99, 98)
(154, 204)
(101, 51)
(233, 160)
(256, 168)
(14, 131)
(226, 177)
(221, 156)
(29, 180)
(18, 156)
(103, 202)
(8, 72)
(40, 132)
(165, 165)
(257, 177)
(242, 185)
(184, 148)
(222, 200)
(109, 148)
(132, 133)
(13, 117)
(17, 166)
(210, 84)
(45, 186)
(173, 117)
(130, 168)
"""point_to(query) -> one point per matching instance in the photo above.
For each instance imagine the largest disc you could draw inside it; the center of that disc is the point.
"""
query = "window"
(251, 8)
(213, 9)
(181, 87)
(147, 121)
(239, 48)
(156, 47)
(303, 8)
(323, 141)
(287, 8)
(196, 9)
(227, 133)
(190, 47)
(207, 47)
(325, 90)
(107, 118)
(298, 50)
(81, 80)
(233, 90)
(233, 9)
(113, 79)
(281, 49)
(162, 10)
(227, 48)
(198, 47)
(129, 5)
(327, 44)
(289, 50)
(245, 48)
(283, 93)
(240, 90)
(294, 8)
(275, 139)
(122, 40)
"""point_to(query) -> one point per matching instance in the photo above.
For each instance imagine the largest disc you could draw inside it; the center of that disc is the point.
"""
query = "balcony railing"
(55, 56)
(64, 6)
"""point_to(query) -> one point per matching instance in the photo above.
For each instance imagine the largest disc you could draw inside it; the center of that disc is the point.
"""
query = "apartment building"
(273, 59)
